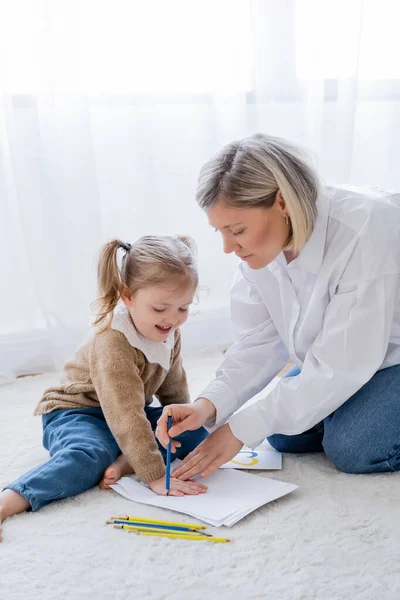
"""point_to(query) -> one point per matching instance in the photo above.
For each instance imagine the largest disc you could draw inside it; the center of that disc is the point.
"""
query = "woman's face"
(256, 235)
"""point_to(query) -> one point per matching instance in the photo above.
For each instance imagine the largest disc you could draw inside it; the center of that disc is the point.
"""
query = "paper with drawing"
(263, 457)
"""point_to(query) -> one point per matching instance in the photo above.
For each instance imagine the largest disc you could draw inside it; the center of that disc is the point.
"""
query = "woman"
(319, 284)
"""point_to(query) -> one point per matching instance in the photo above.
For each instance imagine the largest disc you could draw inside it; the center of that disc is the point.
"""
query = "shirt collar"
(312, 253)
(155, 352)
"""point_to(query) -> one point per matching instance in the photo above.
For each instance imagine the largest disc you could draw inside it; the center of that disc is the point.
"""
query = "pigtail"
(109, 283)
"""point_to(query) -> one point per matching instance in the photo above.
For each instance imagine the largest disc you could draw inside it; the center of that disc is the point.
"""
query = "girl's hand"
(184, 417)
(178, 488)
(220, 447)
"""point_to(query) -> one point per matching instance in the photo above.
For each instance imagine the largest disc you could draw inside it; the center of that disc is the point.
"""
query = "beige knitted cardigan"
(108, 371)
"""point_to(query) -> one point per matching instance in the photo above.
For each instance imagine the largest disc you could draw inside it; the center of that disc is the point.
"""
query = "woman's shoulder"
(364, 225)
(361, 208)
(364, 215)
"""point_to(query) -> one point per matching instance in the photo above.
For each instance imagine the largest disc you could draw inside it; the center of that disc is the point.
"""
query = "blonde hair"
(249, 172)
(151, 260)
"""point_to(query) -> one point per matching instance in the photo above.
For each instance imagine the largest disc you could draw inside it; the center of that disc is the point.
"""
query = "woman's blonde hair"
(249, 172)
(151, 260)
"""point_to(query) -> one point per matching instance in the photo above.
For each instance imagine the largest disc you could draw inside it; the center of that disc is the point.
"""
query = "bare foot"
(117, 469)
(11, 503)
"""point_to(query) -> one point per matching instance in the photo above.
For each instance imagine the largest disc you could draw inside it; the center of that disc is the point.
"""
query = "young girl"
(102, 407)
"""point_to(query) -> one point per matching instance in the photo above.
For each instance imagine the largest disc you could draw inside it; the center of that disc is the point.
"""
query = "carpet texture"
(335, 538)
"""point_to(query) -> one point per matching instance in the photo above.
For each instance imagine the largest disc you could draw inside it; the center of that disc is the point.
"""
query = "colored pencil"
(184, 537)
(156, 522)
(168, 473)
(134, 528)
(152, 525)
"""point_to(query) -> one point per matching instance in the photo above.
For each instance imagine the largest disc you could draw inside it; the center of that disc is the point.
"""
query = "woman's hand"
(213, 452)
(184, 417)
(177, 487)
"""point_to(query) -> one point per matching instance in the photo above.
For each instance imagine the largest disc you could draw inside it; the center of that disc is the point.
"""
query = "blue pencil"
(155, 526)
(168, 473)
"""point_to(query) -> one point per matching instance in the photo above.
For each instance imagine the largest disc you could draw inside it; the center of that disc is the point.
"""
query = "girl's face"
(158, 310)
(256, 235)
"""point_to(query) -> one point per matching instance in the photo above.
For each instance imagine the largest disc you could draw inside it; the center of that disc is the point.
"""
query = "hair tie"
(126, 246)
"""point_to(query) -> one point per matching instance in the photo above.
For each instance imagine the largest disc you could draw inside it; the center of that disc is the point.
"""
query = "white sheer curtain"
(108, 108)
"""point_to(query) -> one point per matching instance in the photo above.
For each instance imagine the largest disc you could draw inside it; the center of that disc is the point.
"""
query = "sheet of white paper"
(231, 496)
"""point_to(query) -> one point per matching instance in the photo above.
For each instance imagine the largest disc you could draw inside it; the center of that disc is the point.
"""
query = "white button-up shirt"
(334, 311)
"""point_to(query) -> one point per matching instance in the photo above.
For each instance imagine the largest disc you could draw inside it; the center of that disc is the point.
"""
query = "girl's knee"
(280, 442)
(309, 441)
(93, 460)
(190, 440)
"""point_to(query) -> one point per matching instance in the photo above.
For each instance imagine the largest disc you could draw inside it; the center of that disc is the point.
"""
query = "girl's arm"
(119, 387)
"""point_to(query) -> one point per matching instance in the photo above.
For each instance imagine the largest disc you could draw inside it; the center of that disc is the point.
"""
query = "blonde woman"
(318, 283)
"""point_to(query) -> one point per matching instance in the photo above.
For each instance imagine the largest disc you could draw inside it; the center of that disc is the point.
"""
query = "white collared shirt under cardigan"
(334, 311)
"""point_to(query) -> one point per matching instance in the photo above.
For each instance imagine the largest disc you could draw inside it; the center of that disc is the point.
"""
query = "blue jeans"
(81, 447)
(363, 434)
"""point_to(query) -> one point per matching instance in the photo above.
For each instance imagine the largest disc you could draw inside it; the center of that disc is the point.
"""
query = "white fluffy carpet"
(336, 537)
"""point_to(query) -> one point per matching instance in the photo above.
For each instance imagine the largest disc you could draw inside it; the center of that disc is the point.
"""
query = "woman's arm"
(255, 358)
(347, 352)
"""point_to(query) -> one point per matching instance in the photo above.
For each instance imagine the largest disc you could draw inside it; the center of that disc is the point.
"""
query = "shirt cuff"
(224, 400)
(249, 427)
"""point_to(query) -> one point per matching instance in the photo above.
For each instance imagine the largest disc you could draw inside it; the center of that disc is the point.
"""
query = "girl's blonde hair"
(249, 172)
(151, 260)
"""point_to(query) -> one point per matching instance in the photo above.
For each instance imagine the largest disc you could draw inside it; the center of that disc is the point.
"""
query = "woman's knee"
(348, 454)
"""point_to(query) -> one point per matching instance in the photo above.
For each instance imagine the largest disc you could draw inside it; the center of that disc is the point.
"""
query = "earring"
(287, 219)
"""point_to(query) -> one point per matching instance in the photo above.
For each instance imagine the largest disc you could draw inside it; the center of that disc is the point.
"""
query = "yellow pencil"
(152, 526)
(154, 522)
(184, 537)
(155, 530)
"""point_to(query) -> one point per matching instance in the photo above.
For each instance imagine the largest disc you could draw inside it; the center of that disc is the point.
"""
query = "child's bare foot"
(117, 469)
(11, 503)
